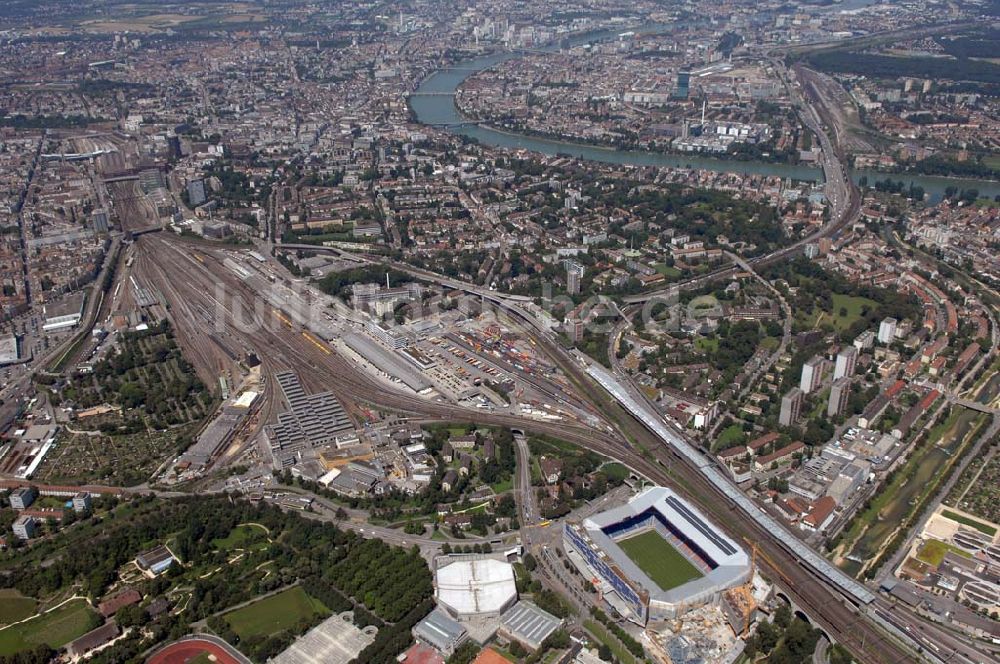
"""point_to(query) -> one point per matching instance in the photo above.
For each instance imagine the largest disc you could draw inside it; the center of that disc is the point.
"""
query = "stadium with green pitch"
(661, 562)
(656, 557)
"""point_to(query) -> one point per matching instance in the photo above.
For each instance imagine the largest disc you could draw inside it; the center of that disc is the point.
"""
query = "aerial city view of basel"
(499, 332)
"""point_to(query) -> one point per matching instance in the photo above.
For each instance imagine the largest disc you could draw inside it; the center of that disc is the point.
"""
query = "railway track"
(844, 622)
(637, 448)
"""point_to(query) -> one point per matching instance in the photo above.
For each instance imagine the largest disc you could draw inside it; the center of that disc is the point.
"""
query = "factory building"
(312, 420)
(9, 350)
(64, 314)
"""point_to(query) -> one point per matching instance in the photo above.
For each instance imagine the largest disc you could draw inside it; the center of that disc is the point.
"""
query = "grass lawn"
(933, 552)
(666, 270)
(770, 343)
(536, 471)
(615, 471)
(274, 614)
(972, 523)
(56, 628)
(202, 658)
(707, 345)
(240, 536)
(660, 561)
(503, 485)
(822, 399)
(14, 606)
(852, 306)
(729, 437)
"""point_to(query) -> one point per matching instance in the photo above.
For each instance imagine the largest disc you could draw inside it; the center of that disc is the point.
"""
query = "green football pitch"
(659, 560)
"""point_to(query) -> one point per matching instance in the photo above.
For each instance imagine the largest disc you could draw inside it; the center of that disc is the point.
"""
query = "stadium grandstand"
(656, 557)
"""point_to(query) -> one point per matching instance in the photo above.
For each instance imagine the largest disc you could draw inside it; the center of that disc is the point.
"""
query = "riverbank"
(433, 103)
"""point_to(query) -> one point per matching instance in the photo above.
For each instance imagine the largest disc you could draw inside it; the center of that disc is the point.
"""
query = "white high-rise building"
(839, 394)
(574, 275)
(846, 361)
(865, 340)
(887, 331)
(791, 404)
(812, 374)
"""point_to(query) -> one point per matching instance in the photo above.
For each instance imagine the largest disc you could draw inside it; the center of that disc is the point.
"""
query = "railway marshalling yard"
(233, 305)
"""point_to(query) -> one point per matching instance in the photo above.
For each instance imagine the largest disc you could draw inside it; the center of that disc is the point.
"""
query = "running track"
(185, 650)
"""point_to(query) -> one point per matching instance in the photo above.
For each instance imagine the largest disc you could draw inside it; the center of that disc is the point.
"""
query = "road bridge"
(976, 405)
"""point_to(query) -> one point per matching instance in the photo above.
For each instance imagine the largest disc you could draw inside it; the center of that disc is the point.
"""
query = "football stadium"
(655, 557)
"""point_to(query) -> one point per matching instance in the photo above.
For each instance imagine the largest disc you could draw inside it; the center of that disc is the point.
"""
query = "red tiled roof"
(763, 441)
(821, 510)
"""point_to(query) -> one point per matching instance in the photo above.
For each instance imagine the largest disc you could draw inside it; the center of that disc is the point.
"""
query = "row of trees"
(402, 579)
(785, 640)
(329, 562)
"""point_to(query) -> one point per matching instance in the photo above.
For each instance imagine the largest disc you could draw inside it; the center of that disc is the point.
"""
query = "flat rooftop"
(529, 624)
(72, 304)
(8, 349)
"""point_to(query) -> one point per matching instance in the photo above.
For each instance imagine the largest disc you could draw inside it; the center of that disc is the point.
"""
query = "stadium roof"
(470, 587)
(732, 564)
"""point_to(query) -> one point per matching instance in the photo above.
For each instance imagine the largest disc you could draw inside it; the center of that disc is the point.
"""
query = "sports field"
(56, 628)
(14, 606)
(660, 561)
(275, 613)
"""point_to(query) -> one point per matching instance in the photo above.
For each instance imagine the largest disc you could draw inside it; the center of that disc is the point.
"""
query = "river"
(433, 103)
